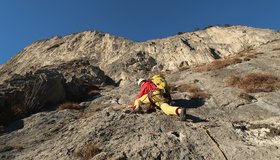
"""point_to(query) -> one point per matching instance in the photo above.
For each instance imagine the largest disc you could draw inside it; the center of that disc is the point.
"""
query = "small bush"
(232, 80)
(88, 151)
(217, 64)
(195, 91)
(69, 105)
(254, 82)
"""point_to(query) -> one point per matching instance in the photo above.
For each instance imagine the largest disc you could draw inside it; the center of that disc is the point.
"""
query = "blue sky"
(26, 21)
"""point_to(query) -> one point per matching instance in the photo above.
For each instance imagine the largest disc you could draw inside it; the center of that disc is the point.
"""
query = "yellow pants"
(159, 101)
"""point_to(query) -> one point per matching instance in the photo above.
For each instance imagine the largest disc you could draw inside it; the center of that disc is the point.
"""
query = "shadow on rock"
(192, 103)
(16, 125)
(196, 119)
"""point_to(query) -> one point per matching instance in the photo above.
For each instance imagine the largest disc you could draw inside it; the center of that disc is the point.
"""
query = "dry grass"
(249, 56)
(254, 82)
(88, 151)
(69, 105)
(217, 64)
(221, 63)
(194, 91)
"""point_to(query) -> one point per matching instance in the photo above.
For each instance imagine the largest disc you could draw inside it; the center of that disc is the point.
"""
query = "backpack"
(161, 83)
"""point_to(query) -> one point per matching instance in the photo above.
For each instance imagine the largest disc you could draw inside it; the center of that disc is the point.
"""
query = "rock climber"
(151, 94)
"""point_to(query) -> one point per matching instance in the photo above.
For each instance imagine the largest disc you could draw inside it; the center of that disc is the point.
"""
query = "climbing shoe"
(183, 114)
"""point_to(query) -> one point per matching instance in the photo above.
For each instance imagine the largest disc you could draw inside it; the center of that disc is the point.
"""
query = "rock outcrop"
(72, 81)
(22, 95)
(224, 121)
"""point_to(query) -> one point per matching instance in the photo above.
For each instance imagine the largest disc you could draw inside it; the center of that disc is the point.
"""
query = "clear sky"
(26, 21)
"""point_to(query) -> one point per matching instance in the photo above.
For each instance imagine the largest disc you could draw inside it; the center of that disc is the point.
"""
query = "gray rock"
(223, 126)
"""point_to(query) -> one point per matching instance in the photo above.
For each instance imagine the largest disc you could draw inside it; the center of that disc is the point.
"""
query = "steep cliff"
(228, 78)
